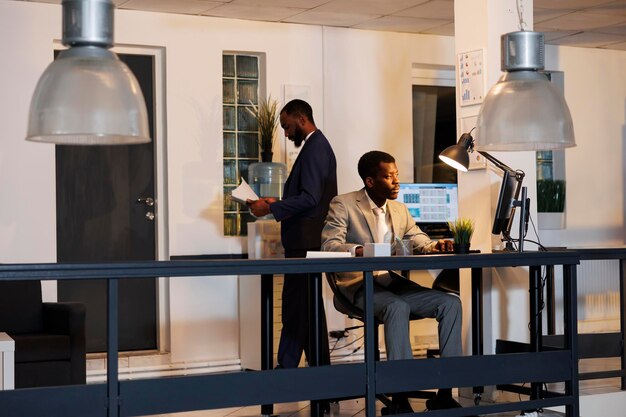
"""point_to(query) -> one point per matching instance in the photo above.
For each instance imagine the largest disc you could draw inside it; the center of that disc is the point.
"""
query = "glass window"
(228, 88)
(228, 65)
(248, 92)
(240, 86)
(230, 145)
(545, 169)
(247, 66)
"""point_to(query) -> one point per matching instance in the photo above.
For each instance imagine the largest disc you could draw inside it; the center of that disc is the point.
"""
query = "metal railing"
(187, 393)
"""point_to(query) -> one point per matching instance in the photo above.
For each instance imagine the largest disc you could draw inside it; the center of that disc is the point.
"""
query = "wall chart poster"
(471, 76)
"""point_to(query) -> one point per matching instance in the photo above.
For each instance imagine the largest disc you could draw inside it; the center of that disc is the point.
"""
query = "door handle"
(150, 216)
(148, 201)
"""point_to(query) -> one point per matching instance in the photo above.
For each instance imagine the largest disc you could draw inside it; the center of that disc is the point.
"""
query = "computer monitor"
(505, 208)
(432, 206)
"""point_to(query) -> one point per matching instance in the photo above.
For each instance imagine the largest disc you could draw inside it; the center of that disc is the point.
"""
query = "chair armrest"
(68, 318)
(64, 318)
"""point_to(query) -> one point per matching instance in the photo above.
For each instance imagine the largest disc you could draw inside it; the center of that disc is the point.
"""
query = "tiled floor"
(349, 408)
(356, 408)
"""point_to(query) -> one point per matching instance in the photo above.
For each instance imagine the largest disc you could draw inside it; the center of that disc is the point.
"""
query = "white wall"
(595, 90)
(360, 91)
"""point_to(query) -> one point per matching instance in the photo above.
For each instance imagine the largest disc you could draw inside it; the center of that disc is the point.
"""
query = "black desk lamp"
(457, 156)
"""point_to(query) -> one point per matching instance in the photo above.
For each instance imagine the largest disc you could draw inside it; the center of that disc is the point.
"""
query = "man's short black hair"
(369, 162)
(297, 108)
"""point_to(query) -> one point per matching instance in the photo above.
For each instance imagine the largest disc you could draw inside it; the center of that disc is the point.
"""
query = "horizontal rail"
(142, 269)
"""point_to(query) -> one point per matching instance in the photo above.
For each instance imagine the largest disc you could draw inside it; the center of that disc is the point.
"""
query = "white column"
(478, 27)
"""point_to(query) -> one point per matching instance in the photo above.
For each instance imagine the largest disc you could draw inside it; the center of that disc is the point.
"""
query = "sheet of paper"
(319, 254)
(243, 192)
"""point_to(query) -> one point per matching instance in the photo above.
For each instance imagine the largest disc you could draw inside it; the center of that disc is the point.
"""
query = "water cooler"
(267, 179)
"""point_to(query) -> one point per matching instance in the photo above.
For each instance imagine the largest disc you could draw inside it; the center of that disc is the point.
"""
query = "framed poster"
(471, 77)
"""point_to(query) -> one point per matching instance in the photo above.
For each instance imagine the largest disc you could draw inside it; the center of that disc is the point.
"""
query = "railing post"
(535, 293)
(113, 387)
(370, 349)
(267, 331)
(622, 317)
(477, 321)
(570, 296)
(315, 295)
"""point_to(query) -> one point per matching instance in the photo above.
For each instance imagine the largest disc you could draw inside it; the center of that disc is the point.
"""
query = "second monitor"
(432, 206)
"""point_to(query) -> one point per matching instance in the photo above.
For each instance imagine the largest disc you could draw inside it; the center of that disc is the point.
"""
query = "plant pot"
(551, 221)
(461, 248)
(266, 156)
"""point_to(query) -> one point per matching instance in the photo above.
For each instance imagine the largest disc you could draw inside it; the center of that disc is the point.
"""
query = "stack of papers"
(320, 254)
(243, 192)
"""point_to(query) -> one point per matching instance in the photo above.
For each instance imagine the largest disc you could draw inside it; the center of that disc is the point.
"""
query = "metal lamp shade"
(88, 97)
(524, 111)
(455, 156)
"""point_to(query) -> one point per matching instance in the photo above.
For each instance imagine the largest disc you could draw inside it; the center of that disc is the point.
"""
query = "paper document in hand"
(243, 192)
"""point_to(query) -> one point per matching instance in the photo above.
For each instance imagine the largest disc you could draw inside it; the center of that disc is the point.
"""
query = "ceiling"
(582, 23)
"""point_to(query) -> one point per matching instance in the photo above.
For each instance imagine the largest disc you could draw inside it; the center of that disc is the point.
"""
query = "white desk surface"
(7, 366)
(6, 343)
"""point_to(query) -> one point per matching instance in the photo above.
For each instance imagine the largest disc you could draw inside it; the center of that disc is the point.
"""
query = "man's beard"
(298, 137)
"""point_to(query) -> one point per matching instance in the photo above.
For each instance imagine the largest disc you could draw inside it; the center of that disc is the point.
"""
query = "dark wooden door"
(100, 219)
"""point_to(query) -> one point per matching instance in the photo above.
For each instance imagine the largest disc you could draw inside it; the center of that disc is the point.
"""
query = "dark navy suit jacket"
(311, 184)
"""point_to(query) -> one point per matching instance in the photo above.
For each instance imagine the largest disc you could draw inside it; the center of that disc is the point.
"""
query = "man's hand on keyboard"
(443, 245)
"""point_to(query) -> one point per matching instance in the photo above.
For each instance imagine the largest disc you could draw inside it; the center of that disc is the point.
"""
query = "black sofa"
(49, 337)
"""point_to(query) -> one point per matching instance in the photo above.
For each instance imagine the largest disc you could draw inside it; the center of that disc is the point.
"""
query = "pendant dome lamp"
(523, 110)
(87, 96)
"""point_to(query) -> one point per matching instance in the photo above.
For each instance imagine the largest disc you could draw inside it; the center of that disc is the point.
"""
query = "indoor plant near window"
(267, 178)
(551, 204)
(267, 118)
(462, 229)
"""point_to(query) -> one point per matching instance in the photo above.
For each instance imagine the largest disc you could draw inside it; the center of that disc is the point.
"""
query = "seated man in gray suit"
(353, 220)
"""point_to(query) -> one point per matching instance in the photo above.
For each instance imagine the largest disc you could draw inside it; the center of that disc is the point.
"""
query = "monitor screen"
(505, 210)
(430, 203)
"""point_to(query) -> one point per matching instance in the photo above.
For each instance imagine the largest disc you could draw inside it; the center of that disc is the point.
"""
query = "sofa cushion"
(42, 374)
(20, 307)
(41, 347)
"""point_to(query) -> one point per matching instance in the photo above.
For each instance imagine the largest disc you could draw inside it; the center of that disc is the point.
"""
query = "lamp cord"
(520, 15)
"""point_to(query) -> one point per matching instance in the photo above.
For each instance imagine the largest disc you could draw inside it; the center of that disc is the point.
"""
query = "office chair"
(446, 281)
(49, 337)
(343, 305)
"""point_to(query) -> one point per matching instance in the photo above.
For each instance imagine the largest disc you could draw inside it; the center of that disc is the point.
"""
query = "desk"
(7, 362)
(376, 370)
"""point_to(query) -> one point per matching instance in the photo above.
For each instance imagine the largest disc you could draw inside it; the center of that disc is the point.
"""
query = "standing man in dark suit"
(311, 184)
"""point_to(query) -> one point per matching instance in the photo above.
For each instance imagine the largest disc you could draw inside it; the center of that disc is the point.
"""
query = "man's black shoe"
(399, 405)
(442, 403)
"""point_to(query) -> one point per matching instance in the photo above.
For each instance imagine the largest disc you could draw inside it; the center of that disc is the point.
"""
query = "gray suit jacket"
(351, 222)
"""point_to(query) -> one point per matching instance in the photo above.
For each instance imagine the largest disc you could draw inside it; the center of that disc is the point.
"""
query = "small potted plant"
(267, 118)
(551, 204)
(462, 230)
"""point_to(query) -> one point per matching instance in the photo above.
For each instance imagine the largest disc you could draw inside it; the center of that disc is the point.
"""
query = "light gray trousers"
(394, 304)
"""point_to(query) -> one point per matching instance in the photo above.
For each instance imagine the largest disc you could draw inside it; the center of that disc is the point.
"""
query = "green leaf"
(462, 229)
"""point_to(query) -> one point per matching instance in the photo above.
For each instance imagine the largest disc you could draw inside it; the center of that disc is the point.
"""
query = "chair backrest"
(340, 301)
(21, 307)
(447, 281)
